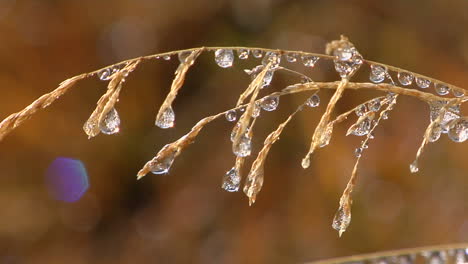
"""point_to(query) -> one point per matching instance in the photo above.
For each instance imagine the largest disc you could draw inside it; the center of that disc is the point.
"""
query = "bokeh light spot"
(67, 179)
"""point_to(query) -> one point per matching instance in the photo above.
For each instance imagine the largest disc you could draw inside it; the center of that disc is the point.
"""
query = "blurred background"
(67, 199)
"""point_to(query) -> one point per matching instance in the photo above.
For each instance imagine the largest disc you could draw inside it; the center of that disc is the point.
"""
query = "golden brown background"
(185, 217)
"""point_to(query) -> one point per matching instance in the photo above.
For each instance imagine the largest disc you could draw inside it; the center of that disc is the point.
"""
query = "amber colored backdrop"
(185, 217)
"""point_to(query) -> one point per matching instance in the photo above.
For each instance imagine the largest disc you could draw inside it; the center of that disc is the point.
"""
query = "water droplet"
(244, 147)
(224, 58)
(243, 54)
(326, 136)
(361, 110)
(378, 73)
(458, 93)
(231, 115)
(273, 58)
(405, 259)
(231, 180)
(422, 83)
(461, 256)
(167, 57)
(358, 152)
(347, 60)
(111, 123)
(447, 116)
(405, 78)
(414, 167)
(458, 131)
(375, 105)
(435, 133)
(256, 70)
(342, 218)
(384, 115)
(305, 162)
(256, 110)
(105, 74)
(257, 53)
(441, 89)
(313, 101)
(166, 119)
(183, 55)
(270, 103)
(343, 53)
(309, 61)
(162, 163)
(435, 257)
(291, 57)
(361, 127)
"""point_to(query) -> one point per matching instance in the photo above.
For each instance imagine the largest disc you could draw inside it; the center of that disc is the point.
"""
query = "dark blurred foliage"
(185, 217)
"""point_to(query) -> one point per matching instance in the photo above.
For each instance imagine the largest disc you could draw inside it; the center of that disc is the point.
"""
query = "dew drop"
(362, 127)
(161, 165)
(309, 61)
(183, 56)
(111, 123)
(405, 78)
(375, 105)
(384, 115)
(231, 180)
(273, 58)
(313, 101)
(441, 89)
(435, 257)
(447, 115)
(270, 103)
(361, 110)
(256, 110)
(291, 57)
(105, 74)
(461, 256)
(378, 73)
(458, 131)
(305, 162)
(244, 147)
(422, 83)
(343, 53)
(243, 54)
(358, 152)
(458, 93)
(414, 167)
(342, 219)
(256, 70)
(224, 58)
(257, 53)
(167, 57)
(166, 119)
(231, 115)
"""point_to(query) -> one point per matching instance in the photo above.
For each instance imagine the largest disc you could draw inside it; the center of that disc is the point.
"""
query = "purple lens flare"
(67, 179)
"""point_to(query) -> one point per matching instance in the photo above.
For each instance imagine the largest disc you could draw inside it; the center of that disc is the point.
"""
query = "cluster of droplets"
(347, 59)
(450, 123)
(378, 73)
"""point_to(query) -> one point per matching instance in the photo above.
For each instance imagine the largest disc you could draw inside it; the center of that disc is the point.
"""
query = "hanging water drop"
(162, 164)
(378, 73)
(458, 131)
(375, 105)
(305, 163)
(309, 61)
(256, 70)
(105, 74)
(224, 58)
(166, 57)
(231, 115)
(313, 101)
(273, 58)
(422, 83)
(257, 53)
(441, 89)
(358, 152)
(291, 57)
(362, 127)
(256, 110)
(166, 119)
(243, 54)
(111, 123)
(231, 180)
(448, 114)
(405, 78)
(361, 110)
(414, 167)
(342, 218)
(270, 103)
(458, 93)
(243, 148)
